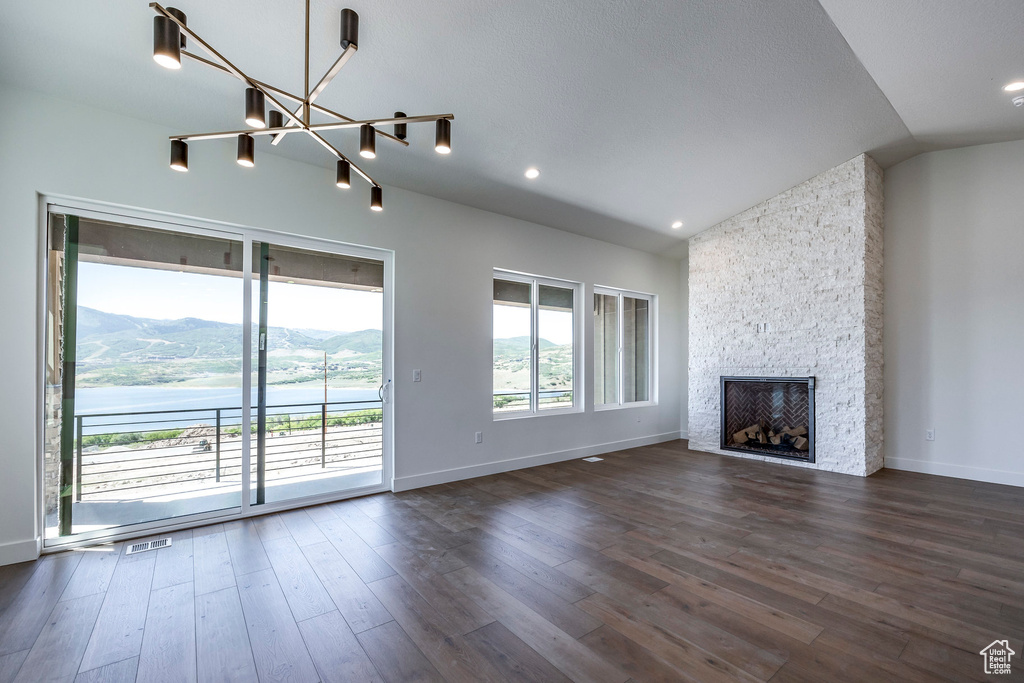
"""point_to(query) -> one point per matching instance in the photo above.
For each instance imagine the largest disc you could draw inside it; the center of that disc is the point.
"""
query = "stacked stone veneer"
(793, 287)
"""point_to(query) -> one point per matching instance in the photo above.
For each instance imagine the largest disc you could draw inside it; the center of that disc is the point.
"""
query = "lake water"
(91, 401)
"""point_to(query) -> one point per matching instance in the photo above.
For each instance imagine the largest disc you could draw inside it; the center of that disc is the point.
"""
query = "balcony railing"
(511, 401)
(181, 452)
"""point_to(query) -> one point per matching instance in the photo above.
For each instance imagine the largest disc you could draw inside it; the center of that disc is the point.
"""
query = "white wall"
(954, 313)
(444, 256)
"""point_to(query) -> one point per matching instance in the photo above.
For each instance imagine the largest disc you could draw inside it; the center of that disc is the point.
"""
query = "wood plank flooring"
(656, 564)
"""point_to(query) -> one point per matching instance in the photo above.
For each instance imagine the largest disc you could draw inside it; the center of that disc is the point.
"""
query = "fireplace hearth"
(771, 416)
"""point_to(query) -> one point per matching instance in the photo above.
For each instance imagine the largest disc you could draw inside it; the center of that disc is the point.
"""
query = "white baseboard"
(959, 471)
(458, 473)
(19, 551)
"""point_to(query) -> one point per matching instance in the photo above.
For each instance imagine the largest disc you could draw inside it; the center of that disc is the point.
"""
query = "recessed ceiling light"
(677, 225)
(1014, 87)
(531, 173)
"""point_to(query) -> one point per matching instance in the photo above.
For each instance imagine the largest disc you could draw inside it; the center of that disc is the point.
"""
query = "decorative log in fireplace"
(769, 416)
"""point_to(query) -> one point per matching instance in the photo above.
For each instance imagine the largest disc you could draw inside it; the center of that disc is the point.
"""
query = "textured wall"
(793, 286)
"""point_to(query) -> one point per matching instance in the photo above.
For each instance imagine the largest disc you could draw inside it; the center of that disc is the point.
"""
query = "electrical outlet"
(638, 420)
(416, 375)
(929, 435)
(479, 437)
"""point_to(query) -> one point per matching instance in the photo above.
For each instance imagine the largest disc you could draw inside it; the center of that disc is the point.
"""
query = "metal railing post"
(78, 459)
(218, 444)
(323, 435)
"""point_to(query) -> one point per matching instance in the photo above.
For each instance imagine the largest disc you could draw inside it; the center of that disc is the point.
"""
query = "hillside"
(122, 350)
(512, 365)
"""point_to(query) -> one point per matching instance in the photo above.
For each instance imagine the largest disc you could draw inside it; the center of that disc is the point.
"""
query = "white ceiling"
(637, 114)
(942, 64)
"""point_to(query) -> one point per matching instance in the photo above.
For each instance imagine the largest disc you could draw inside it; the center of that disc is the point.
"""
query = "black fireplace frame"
(809, 381)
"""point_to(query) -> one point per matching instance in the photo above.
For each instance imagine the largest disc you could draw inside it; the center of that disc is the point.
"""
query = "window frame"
(148, 218)
(535, 282)
(652, 348)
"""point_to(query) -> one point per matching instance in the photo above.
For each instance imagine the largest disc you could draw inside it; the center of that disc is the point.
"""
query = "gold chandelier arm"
(341, 117)
(203, 60)
(231, 68)
(380, 122)
(283, 93)
(188, 137)
(329, 146)
(305, 104)
(324, 82)
(332, 72)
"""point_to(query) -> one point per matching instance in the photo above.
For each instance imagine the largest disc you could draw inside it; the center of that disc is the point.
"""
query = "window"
(623, 352)
(535, 341)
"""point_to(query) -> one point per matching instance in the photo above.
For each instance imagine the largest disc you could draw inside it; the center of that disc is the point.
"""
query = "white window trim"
(652, 349)
(535, 281)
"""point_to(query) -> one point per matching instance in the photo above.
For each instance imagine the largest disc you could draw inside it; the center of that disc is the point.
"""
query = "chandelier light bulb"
(443, 137)
(246, 150)
(255, 108)
(166, 42)
(344, 176)
(376, 198)
(401, 129)
(532, 173)
(179, 155)
(367, 142)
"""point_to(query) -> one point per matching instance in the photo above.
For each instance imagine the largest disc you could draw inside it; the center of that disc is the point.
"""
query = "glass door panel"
(143, 375)
(318, 386)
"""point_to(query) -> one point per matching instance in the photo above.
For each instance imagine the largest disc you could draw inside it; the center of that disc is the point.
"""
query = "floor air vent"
(148, 545)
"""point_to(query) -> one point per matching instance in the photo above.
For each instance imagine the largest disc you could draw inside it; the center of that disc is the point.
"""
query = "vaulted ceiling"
(637, 114)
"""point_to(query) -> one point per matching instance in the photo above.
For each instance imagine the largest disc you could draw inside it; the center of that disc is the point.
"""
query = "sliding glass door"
(169, 399)
(318, 376)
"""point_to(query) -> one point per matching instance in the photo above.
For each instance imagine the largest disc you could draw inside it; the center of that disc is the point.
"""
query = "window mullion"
(246, 471)
(619, 340)
(535, 347)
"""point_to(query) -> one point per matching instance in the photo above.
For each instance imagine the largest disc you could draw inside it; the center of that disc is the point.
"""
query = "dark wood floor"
(657, 564)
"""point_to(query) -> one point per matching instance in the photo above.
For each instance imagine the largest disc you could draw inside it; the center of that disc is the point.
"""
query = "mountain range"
(123, 350)
(115, 337)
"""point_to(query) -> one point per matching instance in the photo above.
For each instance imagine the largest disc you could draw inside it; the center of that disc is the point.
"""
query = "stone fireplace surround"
(793, 287)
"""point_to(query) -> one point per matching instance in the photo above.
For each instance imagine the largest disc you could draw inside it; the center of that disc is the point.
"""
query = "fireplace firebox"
(771, 416)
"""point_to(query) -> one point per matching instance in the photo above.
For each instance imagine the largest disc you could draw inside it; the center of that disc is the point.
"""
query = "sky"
(172, 295)
(514, 321)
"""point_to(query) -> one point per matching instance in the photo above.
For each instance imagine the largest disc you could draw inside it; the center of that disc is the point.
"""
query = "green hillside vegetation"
(121, 350)
(512, 366)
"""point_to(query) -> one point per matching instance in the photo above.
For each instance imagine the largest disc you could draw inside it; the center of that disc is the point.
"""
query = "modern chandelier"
(169, 42)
